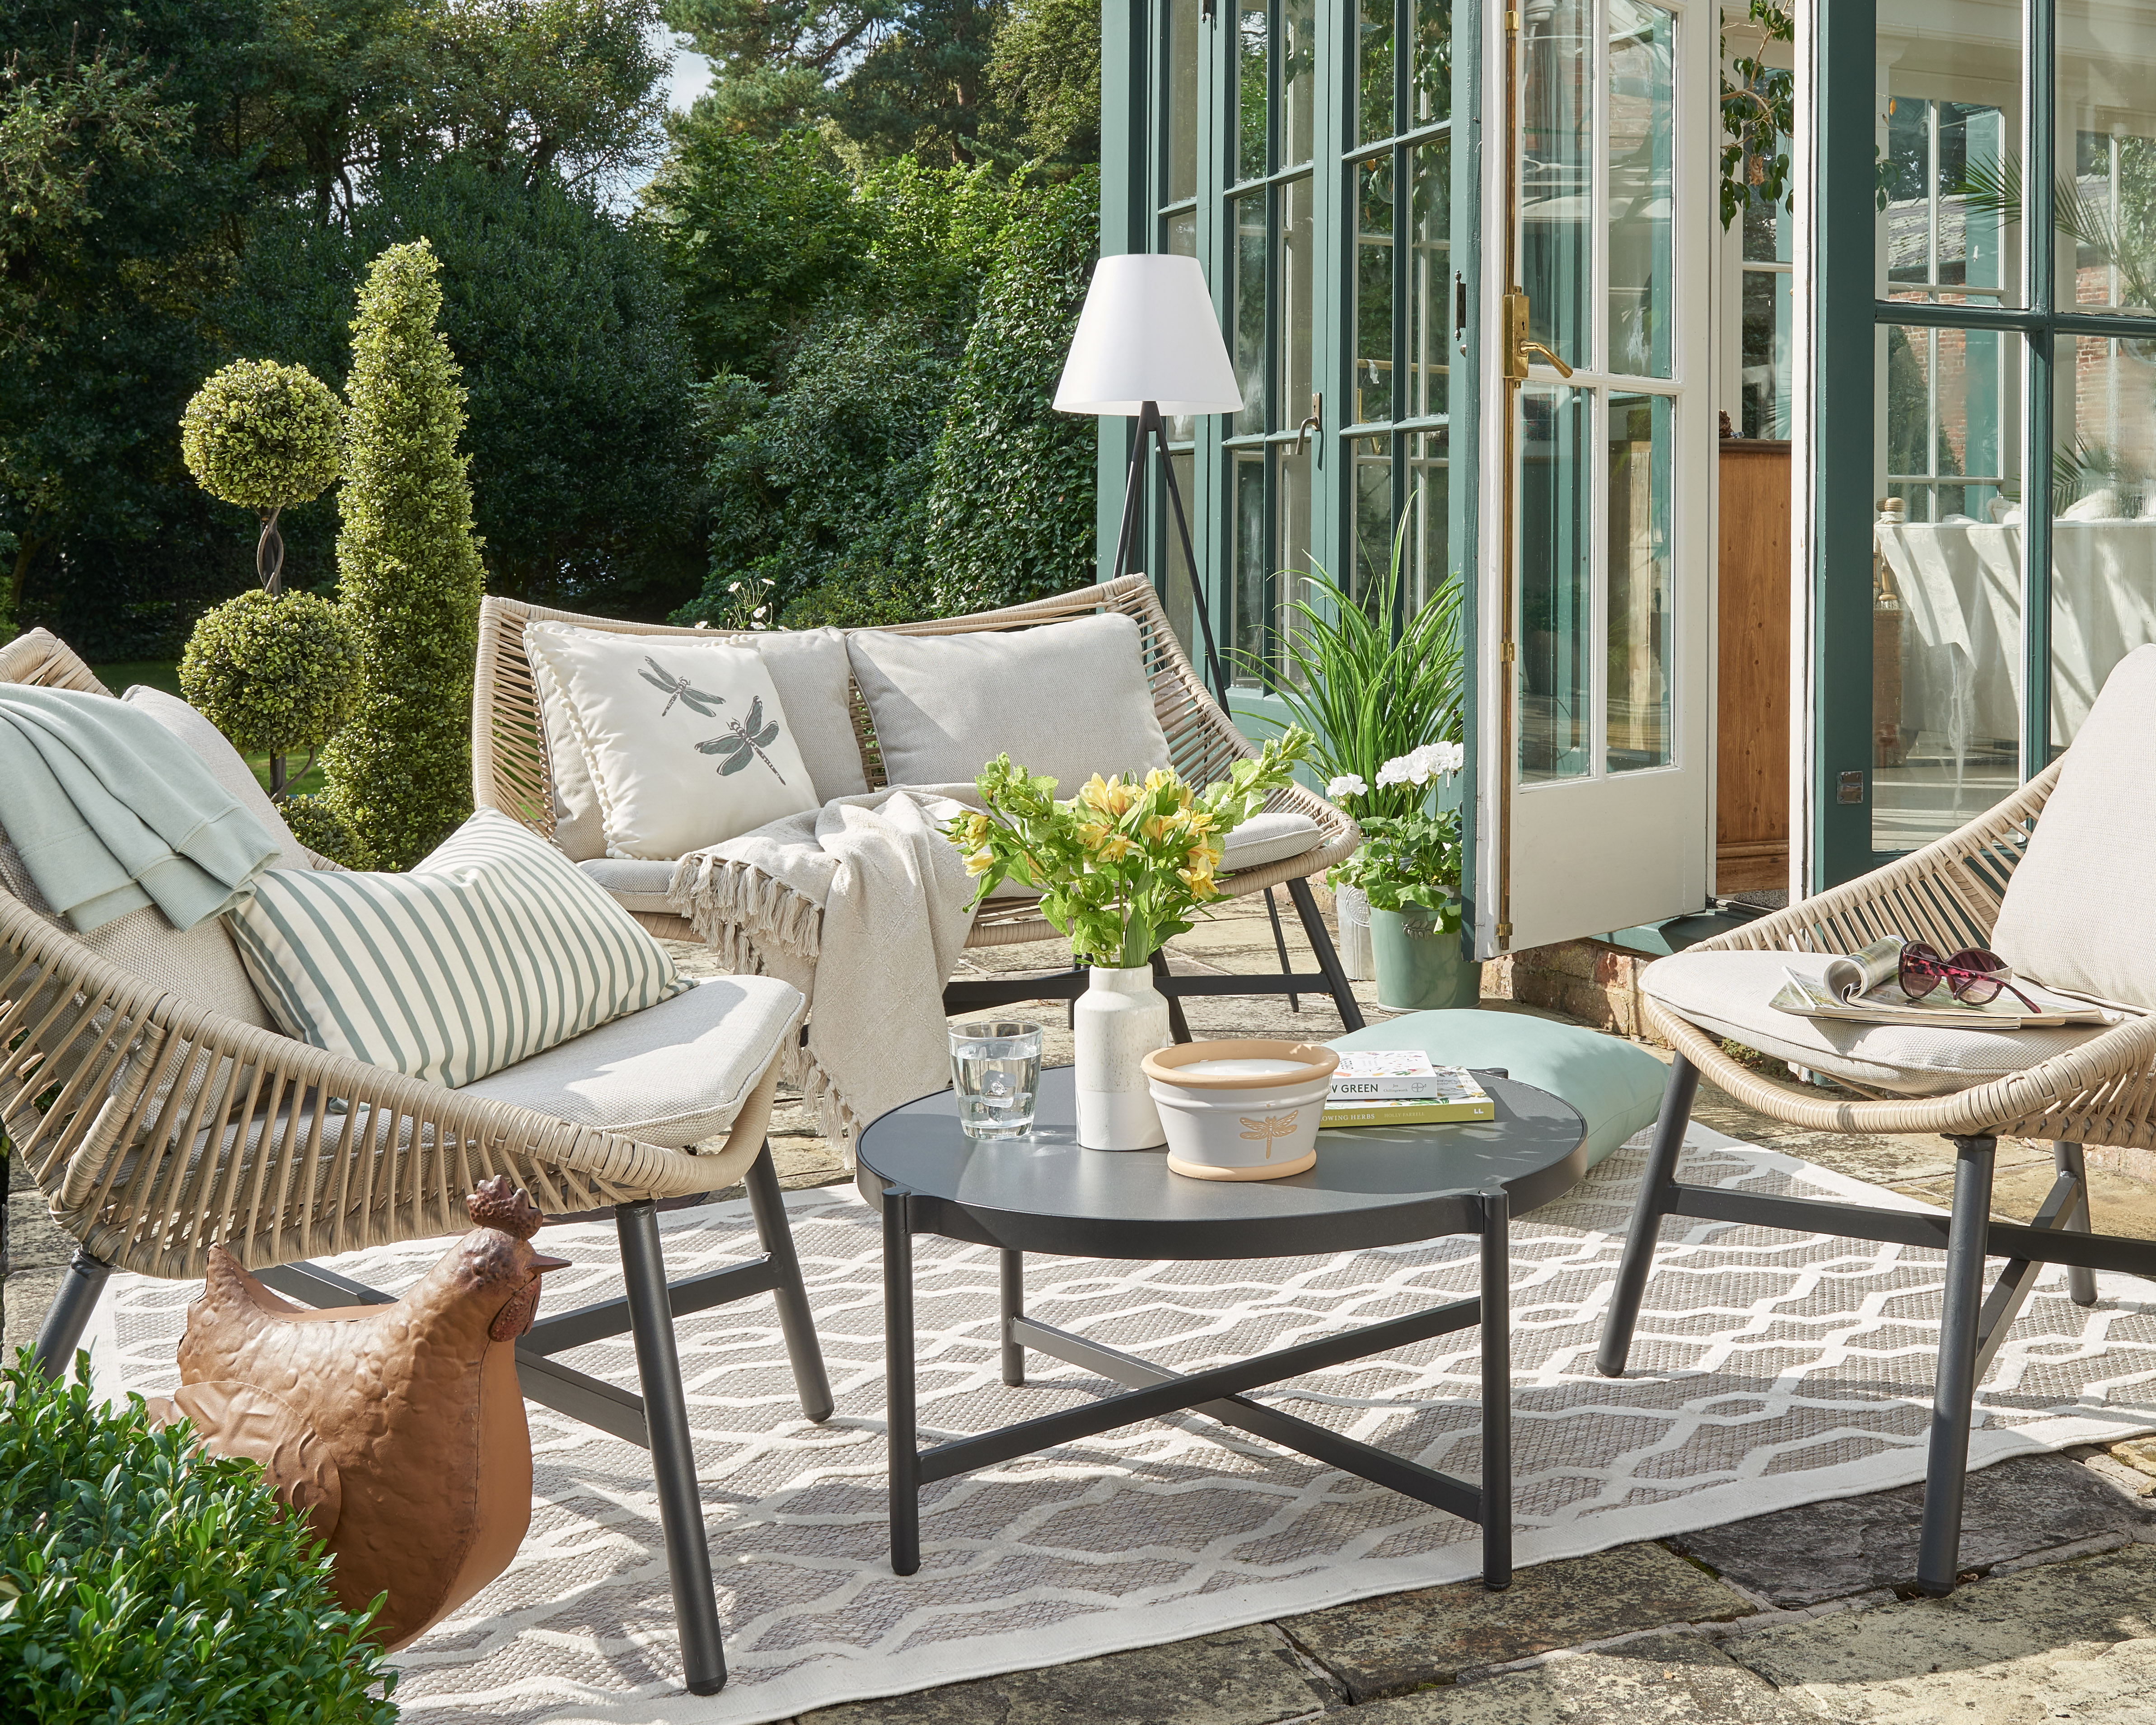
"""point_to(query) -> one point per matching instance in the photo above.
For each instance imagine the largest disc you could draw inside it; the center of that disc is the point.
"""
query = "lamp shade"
(1148, 333)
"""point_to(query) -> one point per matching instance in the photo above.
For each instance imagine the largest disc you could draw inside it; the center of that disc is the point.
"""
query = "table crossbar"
(1306, 1438)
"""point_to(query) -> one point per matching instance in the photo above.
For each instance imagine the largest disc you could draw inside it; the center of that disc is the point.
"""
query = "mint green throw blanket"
(110, 811)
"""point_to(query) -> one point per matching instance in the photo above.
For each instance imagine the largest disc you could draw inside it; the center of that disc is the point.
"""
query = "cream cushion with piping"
(1726, 995)
(2078, 913)
(1068, 699)
(808, 668)
(673, 1074)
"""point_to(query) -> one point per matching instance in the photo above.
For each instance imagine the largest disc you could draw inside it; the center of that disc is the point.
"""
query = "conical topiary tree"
(399, 773)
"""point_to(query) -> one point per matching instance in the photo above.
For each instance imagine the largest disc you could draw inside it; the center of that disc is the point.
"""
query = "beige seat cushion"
(1269, 836)
(1725, 994)
(1069, 699)
(633, 883)
(2080, 910)
(672, 1074)
(810, 672)
(226, 766)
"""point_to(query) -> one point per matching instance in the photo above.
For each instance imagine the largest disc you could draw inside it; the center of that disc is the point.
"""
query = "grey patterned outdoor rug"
(1771, 1370)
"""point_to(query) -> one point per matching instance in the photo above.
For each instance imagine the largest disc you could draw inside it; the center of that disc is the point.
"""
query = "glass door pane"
(1642, 599)
(1641, 183)
(1557, 68)
(1557, 592)
(1946, 674)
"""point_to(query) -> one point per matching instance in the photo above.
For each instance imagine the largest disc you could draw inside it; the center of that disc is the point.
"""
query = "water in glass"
(995, 1070)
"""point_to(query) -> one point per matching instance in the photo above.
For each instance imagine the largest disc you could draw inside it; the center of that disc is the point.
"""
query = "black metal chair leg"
(795, 1321)
(1497, 1392)
(1280, 946)
(1178, 1026)
(1647, 1212)
(1328, 960)
(68, 1316)
(1938, 1555)
(673, 1453)
(2067, 1159)
(904, 1450)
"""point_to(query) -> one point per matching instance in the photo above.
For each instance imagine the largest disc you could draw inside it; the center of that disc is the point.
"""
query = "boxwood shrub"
(141, 1580)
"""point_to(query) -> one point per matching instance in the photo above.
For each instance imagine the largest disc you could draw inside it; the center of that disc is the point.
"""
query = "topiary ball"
(275, 672)
(264, 435)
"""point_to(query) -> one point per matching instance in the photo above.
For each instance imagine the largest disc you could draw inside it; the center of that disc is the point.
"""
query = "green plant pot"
(1418, 965)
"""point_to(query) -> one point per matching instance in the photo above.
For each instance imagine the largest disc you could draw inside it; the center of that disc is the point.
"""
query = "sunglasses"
(1972, 976)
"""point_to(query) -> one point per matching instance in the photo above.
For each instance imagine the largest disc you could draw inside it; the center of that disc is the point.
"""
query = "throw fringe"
(736, 909)
(745, 918)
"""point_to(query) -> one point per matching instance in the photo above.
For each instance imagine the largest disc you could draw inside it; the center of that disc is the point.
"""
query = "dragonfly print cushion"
(682, 742)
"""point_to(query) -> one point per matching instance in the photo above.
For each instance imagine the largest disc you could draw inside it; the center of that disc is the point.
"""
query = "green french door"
(1320, 159)
(1983, 445)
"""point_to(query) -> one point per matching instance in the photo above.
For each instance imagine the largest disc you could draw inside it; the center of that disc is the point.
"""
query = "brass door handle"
(1528, 347)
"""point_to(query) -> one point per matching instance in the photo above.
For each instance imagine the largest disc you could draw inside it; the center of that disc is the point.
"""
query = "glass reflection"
(1294, 306)
(1254, 71)
(1557, 195)
(1182, 33)
(1555, 621)
(1248, 213)
(1430, 89)
(1373, 290)
(1430, 277)
(1642, 131)
(1374, 71)
(1253, 566)
(1642, 602)
(1298, 79)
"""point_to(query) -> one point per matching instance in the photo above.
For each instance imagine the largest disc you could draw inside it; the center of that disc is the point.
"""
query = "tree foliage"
(1010, 516)
(409, 574)
(893, 76)
(1046, 73)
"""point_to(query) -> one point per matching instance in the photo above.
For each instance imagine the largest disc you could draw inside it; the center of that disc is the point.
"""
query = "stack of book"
(1399, 1087)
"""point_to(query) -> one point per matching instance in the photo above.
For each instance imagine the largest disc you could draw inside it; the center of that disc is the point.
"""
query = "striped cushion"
(489, 951)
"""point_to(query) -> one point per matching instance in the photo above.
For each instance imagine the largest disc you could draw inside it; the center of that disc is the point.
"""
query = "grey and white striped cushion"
(491, 949)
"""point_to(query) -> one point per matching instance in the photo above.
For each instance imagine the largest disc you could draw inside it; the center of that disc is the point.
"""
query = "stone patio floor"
(1804, 1615)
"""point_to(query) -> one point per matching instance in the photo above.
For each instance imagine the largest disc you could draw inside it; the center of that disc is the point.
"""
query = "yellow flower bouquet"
(1122, 866)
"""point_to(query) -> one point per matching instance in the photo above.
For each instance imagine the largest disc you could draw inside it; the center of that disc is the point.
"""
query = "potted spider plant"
(1370, 699)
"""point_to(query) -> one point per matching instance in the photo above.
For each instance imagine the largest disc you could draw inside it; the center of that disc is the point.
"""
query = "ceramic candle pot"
(1246, 1109)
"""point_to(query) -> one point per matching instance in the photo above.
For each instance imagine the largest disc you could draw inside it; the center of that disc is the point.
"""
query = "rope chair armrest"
(2104, 1091)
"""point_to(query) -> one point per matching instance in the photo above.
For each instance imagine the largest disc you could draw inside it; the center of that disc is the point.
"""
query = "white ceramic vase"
(1119, 1020)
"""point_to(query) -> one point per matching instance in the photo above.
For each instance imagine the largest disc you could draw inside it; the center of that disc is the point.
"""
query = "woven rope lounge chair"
(155, 1127)
(2100, 1091)
(510, 772)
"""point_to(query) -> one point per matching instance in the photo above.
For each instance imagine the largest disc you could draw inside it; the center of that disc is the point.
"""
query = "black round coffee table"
(1371, 1187)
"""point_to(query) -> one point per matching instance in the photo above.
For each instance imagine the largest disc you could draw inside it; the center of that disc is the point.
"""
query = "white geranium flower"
(1418, 767)
(1347, 784)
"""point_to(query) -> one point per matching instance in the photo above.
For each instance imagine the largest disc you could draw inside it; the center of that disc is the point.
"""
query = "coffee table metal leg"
(1497, 1394)
(1014, 1308)
(898, 1379)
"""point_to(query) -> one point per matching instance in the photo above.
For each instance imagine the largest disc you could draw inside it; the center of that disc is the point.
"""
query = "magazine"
(1865, 987)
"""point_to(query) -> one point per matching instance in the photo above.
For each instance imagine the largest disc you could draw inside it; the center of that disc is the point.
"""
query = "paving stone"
(34, 1241)
(2068, 1641)
(1657, 1679)
(1816, 1551)
(22, 1307)
(1246, 1677)
(1408, 1641)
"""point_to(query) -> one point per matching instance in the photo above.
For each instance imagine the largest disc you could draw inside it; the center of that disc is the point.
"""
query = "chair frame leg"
(1178, 1026)
(1328, 960)
(1648, 1210)
(2067, 1159)
(1280, 946)
(767, 1204)
(82, 1284)
(1939, 1557)
(673, 1451)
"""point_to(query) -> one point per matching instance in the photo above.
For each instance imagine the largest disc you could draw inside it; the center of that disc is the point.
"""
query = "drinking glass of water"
(995, 1070)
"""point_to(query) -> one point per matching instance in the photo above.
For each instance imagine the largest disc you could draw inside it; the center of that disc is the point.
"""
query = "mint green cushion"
(1616, 1086)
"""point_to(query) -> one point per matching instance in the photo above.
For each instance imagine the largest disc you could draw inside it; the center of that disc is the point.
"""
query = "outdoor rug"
(1770, 1370)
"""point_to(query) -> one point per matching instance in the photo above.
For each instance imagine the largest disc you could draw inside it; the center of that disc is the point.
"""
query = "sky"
(692, 73)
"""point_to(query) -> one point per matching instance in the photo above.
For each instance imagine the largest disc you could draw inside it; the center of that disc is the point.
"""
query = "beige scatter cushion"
(2080, 910)
(1068, 699)
(226, 766)
(685, 742)
(808, 667)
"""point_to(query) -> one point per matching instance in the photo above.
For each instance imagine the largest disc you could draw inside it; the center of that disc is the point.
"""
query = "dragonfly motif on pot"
(744, 741)
(678, 689)
(1264, 1131)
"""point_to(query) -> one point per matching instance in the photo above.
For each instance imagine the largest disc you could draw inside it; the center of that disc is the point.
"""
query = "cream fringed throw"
(862, 905)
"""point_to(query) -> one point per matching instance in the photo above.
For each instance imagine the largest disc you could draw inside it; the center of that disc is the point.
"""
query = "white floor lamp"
(1148, 346)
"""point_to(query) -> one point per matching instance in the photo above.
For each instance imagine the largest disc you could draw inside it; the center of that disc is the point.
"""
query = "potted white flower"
(1409, 867)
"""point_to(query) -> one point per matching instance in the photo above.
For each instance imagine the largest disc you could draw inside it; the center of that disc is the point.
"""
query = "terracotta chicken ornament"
(398, 1430)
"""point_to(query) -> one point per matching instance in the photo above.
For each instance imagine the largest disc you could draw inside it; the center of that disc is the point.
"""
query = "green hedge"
(399, 773)
(140, 1580)
(1011, 511)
